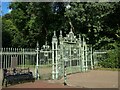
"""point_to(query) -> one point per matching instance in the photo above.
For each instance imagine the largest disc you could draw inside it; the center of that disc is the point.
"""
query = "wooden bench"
(17, 76)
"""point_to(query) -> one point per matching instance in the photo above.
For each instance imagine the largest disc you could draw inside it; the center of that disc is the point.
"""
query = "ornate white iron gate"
(69, 55)
(72, 53)
(45, 62)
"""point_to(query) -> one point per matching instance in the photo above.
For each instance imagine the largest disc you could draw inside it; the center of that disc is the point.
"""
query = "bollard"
(65, 75)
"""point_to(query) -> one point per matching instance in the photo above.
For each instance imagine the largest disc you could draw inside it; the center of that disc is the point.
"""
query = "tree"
(11, 37)
(87, 19)
(36, 21)
(113, 56)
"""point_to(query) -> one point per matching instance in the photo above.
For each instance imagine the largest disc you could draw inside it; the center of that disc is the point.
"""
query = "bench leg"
(3, 82)
(6, 83)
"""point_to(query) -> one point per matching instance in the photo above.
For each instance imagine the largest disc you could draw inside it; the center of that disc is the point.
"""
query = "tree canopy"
(30, 22)
(99, 23)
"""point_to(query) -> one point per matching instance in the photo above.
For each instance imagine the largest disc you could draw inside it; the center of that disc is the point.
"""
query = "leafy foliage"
(30, 22)
(112, 61)
(11, 34)
(36, 21)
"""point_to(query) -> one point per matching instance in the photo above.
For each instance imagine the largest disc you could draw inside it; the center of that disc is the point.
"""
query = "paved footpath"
(39, 84)
(95, 79)
(91, 79)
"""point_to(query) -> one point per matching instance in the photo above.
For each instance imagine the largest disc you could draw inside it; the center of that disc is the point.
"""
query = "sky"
(5, 8)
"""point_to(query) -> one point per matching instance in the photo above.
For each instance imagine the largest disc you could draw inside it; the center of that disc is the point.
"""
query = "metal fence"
(69, 55)
(18, 58)
(99, 55)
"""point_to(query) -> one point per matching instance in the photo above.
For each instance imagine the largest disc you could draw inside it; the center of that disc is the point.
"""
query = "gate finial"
(37, 44)
(84, 42)
(45, 42)
(54, 33)
(79, 37)
(61, 33)
(71, 26)
(54, 36)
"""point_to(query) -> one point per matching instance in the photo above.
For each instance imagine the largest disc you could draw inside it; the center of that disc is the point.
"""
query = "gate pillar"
(83, 56)
(54, 57)
(61, 61)
(80, 52)
(37, 65)
(86, 58)
(91, 56)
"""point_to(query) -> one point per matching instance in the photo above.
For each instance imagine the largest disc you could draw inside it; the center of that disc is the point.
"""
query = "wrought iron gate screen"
(71, 52)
